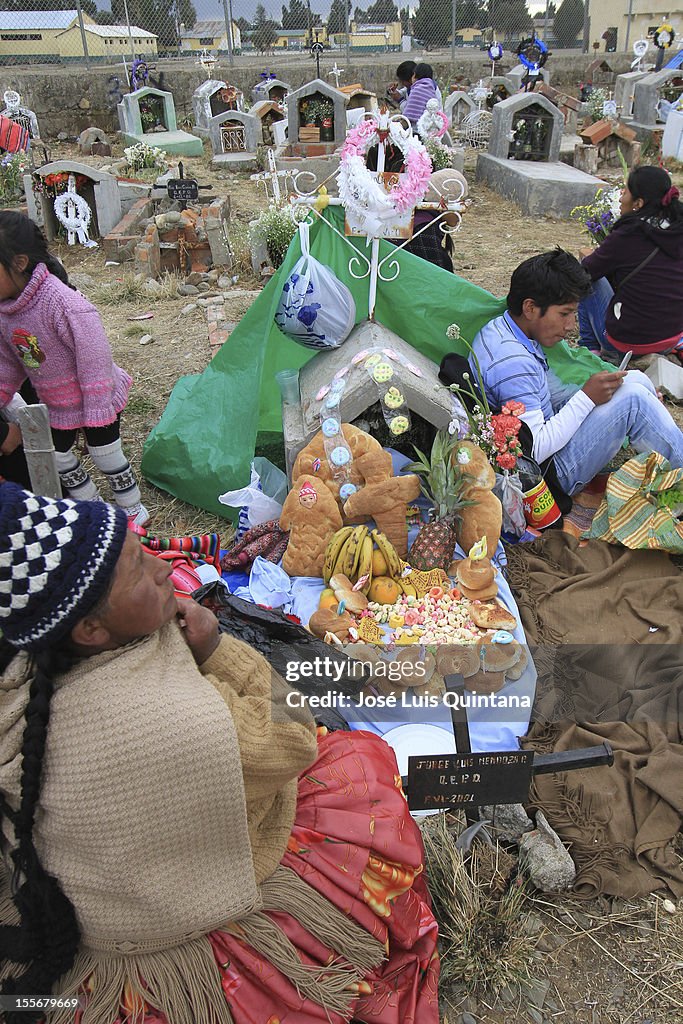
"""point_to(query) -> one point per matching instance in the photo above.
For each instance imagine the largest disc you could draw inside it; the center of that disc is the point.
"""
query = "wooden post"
(39, 450)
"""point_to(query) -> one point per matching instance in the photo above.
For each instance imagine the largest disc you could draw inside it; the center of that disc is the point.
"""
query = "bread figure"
(312, 461)
(484, 518)
(311, 515)
(384, 498)
(326, 622)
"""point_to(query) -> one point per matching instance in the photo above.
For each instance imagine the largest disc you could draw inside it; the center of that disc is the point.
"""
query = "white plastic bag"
(262, 500)
(315, 308)
(508, 489)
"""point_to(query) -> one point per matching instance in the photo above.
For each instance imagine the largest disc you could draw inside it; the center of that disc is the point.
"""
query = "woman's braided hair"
(47, 938)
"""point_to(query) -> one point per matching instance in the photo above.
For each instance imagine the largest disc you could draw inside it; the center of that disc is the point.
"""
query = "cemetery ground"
(524, 957)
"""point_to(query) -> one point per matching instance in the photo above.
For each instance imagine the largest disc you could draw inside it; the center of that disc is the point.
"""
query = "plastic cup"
(288, 382)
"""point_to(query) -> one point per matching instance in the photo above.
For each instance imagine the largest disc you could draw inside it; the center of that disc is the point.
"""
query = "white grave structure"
(148, 115)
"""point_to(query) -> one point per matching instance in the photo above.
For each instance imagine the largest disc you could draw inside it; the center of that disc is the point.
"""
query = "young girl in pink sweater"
(51, 334)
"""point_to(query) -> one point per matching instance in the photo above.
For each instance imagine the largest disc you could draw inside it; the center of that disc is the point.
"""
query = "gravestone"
(270, 89)
(423, 395)
(648, 93)
(624, 93)
(517, 75)
(22, 115)
(523, 159)
(302, 101)
(269, 114)
(235, 137)
(99, 189)
(359, 99)
(543, 124)
(210, 99)
(457, 106)
(148, 115)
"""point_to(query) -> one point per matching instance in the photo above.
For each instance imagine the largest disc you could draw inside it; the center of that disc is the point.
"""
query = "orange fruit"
(328, 600)
(379, 563)
(384, 590)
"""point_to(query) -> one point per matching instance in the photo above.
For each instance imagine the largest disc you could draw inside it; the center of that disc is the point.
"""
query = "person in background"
(12, 459)
(424, 89)
(52, 335)
(398, 91)
(581, 429)
(180, 843)
(636, 303)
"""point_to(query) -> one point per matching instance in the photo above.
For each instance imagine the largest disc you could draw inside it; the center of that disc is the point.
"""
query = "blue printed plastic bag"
(315, 308)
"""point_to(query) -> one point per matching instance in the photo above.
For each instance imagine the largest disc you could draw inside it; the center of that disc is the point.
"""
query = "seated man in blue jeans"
(582, 428)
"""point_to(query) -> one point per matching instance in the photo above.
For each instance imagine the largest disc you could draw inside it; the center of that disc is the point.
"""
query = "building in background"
(609, 20)
(372, 38)
(299, 38)
(106, 43)
(210, 35)
(28, 37)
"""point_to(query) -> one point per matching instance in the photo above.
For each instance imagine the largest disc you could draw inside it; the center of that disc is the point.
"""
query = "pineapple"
(443, 483)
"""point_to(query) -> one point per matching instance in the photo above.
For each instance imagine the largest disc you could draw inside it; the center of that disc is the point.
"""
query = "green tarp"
(205, 440)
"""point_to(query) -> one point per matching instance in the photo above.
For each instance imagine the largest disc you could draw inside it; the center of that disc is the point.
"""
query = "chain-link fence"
(88, 32)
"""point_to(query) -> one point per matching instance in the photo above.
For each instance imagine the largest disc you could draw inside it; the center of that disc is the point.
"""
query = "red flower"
(513, 408)
(506, 461)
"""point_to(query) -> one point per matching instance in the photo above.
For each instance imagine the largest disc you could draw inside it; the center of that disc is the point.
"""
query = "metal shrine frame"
(306, 207)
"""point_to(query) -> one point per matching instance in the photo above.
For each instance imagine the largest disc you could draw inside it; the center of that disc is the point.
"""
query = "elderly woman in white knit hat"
(179, 846)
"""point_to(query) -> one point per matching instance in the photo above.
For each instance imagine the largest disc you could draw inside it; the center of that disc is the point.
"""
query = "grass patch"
(480, 910)
(140, 405)
(132, 289)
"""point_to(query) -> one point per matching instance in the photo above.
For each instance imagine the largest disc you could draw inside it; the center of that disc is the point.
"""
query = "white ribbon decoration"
(73, 213)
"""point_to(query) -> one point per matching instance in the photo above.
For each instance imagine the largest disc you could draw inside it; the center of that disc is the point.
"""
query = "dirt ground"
(602, 963)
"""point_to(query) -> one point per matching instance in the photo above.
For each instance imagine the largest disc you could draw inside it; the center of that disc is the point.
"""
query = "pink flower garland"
(418, 167)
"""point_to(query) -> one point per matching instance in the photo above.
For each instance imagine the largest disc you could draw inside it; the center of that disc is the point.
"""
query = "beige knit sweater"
(168, 791)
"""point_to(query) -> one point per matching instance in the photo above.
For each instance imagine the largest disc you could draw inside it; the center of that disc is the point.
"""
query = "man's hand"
(602, 386)
(12, 440)
(200, 628)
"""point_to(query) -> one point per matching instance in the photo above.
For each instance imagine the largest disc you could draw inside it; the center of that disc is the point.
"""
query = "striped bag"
(633, 512)
(13, 137)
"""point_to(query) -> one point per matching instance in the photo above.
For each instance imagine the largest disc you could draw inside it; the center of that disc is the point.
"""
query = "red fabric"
(354, 841)
(668, 345)
(13, 137)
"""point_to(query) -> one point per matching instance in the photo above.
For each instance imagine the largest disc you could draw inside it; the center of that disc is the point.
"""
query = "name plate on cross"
(183, 190)
(451, 781)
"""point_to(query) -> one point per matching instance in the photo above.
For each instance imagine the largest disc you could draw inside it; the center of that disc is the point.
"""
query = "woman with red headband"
(637, 298)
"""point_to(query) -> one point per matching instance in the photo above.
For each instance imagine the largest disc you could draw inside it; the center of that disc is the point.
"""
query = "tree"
(243, 25)
(336, 21)
(163, 17)
(265, 31)
(568, 22)
(360, 16)
(471, 14)
(432, 22)
(299, 15)
(105, 18)
(510, 18)
(382, 12)
(406, 21)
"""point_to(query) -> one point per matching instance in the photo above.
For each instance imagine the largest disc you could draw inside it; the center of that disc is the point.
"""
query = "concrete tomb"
(148, 115)
(98, 188)
(523, 159)
(648, 115)
(211, 99)
(269, 114)
(270, 89)
(457, 106)
(235, 137)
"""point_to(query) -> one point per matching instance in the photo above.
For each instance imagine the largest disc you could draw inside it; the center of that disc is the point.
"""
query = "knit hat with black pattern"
(56, 561)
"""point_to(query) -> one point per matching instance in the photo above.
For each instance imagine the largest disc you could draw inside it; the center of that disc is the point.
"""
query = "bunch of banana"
(350, 552)
(394, 564)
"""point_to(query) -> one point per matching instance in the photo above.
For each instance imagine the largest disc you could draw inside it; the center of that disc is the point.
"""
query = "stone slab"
(540, 189)
(567, 146)
(244, 161)
(178, 143)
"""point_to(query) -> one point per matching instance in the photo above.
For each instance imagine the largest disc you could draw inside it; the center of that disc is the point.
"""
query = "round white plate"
(418, 740)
